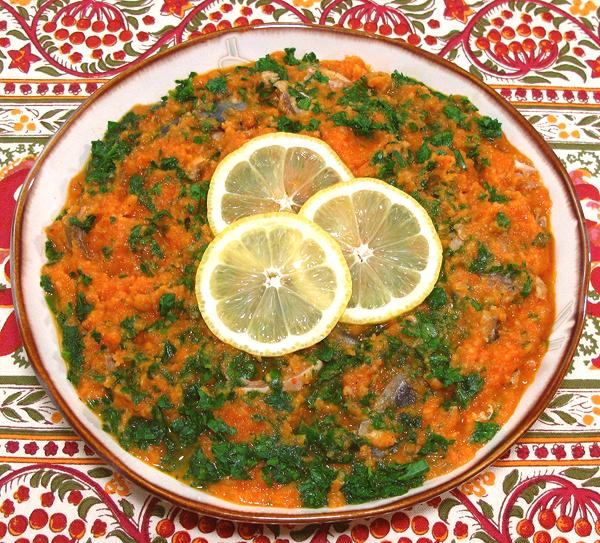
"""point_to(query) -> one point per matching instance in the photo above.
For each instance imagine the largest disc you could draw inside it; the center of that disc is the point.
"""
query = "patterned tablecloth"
(542, 56)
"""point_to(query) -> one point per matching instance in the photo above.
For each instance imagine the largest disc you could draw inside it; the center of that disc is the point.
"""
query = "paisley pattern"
(543, 56)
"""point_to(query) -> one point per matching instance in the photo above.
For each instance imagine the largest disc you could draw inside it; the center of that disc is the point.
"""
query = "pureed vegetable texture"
(388, 405)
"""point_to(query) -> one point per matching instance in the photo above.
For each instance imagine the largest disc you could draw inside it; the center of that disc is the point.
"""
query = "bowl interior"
(68, 153)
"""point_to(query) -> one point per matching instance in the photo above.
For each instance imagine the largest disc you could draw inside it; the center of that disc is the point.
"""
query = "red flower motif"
(457, 9)
(175, 7)
(7, 508)
(577, 450)
(461, 530)
(558, 451)
(47, 499)
(21, 494)
(595, 66)
(75, 497)
(50, 448)
(31, 448)
(71, 448)
(22, 58)
(98, 528)
(12, 446)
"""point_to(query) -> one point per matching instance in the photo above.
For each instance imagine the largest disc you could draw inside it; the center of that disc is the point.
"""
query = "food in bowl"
(372, 410)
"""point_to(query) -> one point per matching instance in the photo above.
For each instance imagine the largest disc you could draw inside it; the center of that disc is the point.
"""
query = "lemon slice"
(272, 284)
(391, 246)
(273, 172)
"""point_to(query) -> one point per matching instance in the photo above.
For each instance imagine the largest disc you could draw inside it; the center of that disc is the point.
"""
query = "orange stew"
(379, 408)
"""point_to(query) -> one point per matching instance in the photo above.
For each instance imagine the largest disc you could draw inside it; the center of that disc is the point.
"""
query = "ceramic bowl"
(44, 194)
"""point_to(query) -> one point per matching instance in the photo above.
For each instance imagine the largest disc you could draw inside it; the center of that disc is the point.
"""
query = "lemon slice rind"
(332, 258)
(218, 190)
(428, 276)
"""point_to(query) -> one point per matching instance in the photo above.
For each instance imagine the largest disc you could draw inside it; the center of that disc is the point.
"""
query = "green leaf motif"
(127, 507)
(34, 415)
(510, 481)
(68, 486)
(32, 397)
(516, 511)
(593, 482)
(121, 535)
(11, 414)
(486, 509)
(100, 473)
(566, 417)
(560, 401)
(531, 492)
(445, 507)
(46, 476)
(484, 537)
(48, 71)
(86, 504)
(304, 533)
(581, 474)
(11, 398)
(58, 480)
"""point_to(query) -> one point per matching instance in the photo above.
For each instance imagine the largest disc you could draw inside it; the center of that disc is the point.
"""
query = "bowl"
(44, 192)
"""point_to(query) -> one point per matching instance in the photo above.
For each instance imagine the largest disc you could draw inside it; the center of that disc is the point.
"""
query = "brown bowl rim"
(329, 516)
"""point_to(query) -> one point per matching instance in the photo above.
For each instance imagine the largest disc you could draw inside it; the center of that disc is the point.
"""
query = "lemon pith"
(391, 246)
(273, 172)
(272, 284)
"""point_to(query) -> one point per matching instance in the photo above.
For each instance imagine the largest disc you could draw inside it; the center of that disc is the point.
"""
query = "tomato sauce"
(380, 408)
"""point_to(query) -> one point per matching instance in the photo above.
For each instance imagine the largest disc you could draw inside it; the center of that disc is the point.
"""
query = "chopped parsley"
(483, 261)
(217, 85)
(437, 299)
(85, 224)
(502, 220)
(541, 239)
(113, 148)
(423, 154)
(72, 351)
(383, 480)
(484, 431)
(435, 444)
(490, 129)
(278, 399)
(269, 64)
(82, 307)
(493, 195)
(52, 253)
(466, 389)
(184, 91)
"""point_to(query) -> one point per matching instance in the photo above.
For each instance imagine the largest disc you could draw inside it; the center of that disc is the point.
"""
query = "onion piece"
(397, 391)
(523, 167)
(291, 384)
(336, 79)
